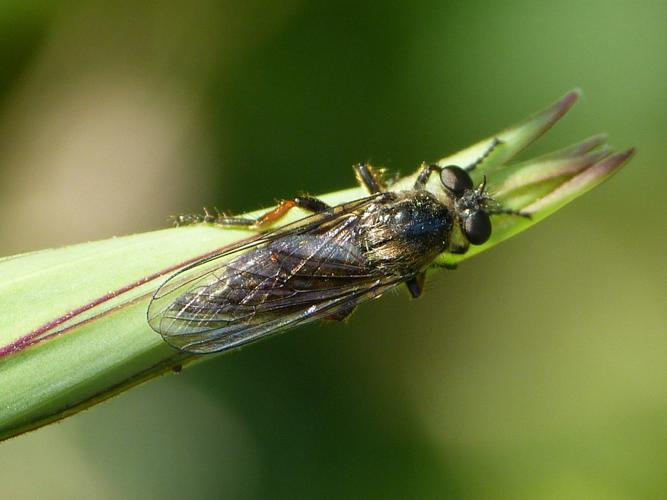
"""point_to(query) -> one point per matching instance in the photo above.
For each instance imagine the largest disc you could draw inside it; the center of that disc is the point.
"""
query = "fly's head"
(472, 205)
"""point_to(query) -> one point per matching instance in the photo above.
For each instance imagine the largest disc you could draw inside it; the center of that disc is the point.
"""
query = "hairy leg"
(264, 221)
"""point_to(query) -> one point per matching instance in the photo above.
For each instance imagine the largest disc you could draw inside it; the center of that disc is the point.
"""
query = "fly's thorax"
(405, 231)
(457, 242)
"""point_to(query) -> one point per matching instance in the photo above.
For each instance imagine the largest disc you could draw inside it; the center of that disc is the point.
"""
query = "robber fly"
(324, 265)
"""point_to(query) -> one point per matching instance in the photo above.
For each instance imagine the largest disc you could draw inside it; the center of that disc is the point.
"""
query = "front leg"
(428, 168)
(494, 144)
(425, 174)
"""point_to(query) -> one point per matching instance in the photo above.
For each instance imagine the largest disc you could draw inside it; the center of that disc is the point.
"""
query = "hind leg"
(264, 221)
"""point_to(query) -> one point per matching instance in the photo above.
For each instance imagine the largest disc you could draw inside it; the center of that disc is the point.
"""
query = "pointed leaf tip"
(580, 183)
(516, 138)
(610, 164)
(544, 120)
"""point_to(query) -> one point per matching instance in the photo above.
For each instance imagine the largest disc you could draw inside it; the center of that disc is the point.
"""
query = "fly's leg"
(308, 203)
(459, 249)
(416, 285)
(494, 144)
(428, 168)
(341, 312)
(509, 211)
(445, 265)
(209, 218)
(425, 174)
(369, 178)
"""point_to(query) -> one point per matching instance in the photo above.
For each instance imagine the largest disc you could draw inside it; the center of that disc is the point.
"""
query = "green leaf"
(73, 330)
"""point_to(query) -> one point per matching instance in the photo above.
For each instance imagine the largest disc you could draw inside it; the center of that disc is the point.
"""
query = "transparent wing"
(179, 282)
(305, 271)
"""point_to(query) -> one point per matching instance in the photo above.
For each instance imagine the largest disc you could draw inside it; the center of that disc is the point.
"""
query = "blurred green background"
(535, 371)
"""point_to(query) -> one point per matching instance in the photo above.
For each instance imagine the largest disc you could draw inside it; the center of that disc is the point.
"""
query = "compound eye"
(477, 227)
(455, 179)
